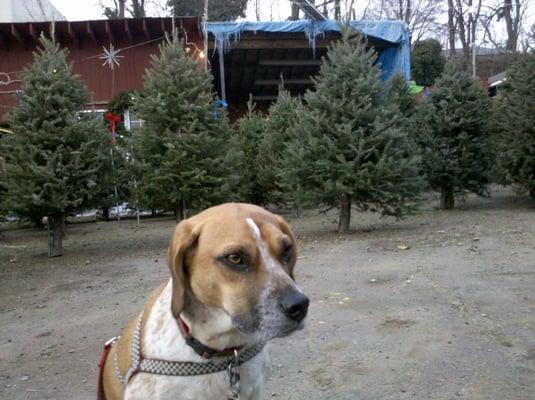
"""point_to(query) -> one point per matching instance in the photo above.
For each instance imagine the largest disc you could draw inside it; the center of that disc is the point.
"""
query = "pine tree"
(427, 61)
(398, 93)
(251, 129)
(350, 146)
(52, 158)
(283, 116)
(182, 154)
(452, 130)
(514, 124)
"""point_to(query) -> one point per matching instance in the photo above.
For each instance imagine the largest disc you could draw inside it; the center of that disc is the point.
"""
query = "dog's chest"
(161, 339)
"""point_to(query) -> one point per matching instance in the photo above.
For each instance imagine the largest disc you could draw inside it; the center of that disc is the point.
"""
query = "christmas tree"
(427, 61)
(251, 129)
(52, 159)
(452, 130)
(283, 116)
(350, 147)
(514, 124)
(182, 153)
(398, 93)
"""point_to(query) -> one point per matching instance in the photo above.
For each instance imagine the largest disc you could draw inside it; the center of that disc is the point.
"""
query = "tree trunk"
(337, 10)
(180, 212)
(451, 27)
(122, 7)
(532, 193)
(152, 213)
(295, 12)
(447, 199)
(56, 229)
(512, 23)
(105, 214)
(345, 213)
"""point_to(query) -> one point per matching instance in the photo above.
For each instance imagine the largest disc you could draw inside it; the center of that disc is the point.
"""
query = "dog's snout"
(294, 305)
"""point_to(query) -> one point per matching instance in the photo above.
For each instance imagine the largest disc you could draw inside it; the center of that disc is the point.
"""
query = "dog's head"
(239, 258)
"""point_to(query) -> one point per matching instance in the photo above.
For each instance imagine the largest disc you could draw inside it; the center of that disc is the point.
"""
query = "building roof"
(96, 31)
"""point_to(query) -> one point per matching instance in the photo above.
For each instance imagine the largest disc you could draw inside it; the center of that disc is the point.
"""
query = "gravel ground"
(439, 306)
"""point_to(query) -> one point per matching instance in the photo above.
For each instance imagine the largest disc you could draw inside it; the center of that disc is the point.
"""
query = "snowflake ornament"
(111, 57)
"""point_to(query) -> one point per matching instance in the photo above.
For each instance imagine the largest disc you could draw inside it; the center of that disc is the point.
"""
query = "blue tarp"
(394, 59)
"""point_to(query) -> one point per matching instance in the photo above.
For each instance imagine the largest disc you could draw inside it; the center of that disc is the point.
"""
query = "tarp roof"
(394, 58)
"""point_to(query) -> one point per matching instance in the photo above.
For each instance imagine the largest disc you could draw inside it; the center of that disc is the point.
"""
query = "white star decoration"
(111, 57)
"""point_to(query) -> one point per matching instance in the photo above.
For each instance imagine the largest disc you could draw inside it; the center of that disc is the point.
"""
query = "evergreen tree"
(283, 116)
(182, 154)
(114, 178)
(52, 158)
(398, 93)
(427, 61)
(117, 174)
(452, 130)
(514, 124)
(350, 147)
(251, 129)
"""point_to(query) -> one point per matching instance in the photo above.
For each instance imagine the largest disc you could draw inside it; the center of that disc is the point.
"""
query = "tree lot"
(351, 142)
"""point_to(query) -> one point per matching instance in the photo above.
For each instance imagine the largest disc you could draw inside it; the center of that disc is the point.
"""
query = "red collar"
(199, 348)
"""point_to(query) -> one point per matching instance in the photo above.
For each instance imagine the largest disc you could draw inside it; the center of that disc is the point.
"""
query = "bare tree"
(420, 15)
(451, 27)
(116, 10)
(509, 12)
(528, 44)
(137, 9)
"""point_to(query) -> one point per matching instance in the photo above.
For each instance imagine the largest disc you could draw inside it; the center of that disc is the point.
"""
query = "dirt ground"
(439, 306)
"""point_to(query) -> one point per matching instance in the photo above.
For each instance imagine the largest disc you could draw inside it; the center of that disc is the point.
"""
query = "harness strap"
(179, 368)
(101, 363)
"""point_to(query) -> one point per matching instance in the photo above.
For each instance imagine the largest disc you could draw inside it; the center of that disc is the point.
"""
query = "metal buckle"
(234, 377)
(111, 341)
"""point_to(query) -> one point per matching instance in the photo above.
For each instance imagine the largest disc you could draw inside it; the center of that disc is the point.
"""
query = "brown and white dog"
(232, 284)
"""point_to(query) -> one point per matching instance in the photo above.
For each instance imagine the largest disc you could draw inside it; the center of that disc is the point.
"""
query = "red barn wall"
(85, 49)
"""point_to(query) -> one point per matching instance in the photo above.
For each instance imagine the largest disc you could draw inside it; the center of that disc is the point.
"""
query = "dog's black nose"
(294, 305)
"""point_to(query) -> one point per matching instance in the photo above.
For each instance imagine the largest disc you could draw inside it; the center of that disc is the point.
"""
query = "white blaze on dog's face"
(239, 258)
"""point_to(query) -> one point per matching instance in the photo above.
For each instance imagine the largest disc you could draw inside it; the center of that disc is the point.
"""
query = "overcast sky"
(90, 9)
(270, 10)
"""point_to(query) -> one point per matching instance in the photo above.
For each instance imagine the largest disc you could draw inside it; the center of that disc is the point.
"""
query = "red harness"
(101, 363)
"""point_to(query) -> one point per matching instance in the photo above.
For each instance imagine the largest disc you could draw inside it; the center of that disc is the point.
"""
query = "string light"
(8, 81)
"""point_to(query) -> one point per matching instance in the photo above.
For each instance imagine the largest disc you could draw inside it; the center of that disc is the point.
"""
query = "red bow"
(113, 120)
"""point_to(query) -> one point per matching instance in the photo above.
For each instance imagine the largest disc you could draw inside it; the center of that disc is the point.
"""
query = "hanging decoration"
(113, 120)
(111, 57)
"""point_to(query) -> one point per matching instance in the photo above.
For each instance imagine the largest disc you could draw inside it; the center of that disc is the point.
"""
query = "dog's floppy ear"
(288, 231)
(184, 238)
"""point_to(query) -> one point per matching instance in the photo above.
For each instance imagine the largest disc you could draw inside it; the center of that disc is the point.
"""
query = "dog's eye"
(234, 259)
(287, 254)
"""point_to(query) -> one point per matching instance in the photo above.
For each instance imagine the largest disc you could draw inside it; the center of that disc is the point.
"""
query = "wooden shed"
(133, 40)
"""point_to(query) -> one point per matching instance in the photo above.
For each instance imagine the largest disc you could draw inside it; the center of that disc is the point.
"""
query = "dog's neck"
(211, 326)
